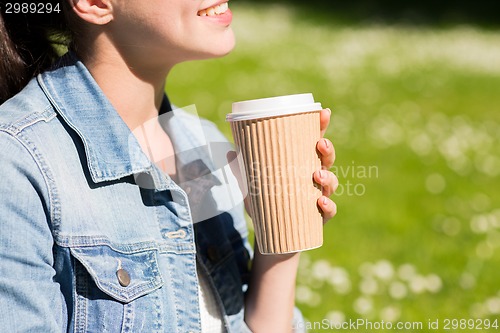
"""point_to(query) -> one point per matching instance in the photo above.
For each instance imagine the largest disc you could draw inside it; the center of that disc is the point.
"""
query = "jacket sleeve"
(30, 300)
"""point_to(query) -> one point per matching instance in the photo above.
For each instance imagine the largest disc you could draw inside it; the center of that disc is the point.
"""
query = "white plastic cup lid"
(273, 107)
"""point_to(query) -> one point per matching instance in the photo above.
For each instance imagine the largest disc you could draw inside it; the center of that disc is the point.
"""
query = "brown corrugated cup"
(276, 138)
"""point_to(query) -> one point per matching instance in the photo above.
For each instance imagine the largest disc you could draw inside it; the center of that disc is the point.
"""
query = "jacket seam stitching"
(46, 175)
(19, 125)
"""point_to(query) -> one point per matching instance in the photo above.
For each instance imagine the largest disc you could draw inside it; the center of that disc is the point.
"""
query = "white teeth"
(223, 7)
(216, 10)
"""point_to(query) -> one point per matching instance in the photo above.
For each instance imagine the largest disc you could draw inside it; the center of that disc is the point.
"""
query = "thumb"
(236, 165)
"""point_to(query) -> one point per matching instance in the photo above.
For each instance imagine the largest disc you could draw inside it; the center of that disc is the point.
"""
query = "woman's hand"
(325, 178)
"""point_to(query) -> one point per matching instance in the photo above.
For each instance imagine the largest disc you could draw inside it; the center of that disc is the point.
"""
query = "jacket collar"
(112, 151)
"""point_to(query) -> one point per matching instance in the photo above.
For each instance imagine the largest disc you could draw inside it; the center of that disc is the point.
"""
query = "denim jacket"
(93, 236)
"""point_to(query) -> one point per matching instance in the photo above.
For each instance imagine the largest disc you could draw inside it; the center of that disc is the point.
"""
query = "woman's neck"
(135, 92)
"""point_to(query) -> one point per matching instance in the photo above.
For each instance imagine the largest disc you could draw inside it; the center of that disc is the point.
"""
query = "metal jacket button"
(123, 277)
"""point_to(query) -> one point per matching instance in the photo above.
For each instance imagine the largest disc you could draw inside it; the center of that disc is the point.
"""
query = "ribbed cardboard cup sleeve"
(280, 158)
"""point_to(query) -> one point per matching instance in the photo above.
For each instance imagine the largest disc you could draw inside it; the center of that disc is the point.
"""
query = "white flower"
(398, 290)
(384, 270)
(363, 305)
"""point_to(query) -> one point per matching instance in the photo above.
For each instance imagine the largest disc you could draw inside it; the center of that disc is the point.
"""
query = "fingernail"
(328, 109)
(325, 201)
(326, 143)
(321, 174)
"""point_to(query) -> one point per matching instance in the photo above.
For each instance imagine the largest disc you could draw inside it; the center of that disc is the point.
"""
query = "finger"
(327, 207)
(324, 120)
(326, 152)
(327, 180)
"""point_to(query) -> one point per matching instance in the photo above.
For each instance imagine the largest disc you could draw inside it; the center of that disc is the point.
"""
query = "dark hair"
(29, 44)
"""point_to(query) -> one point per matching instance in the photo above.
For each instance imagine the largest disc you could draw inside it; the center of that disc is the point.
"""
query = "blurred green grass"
(419, 238)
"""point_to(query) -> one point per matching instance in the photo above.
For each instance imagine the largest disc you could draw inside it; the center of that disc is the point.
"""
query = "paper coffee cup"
(276, 138)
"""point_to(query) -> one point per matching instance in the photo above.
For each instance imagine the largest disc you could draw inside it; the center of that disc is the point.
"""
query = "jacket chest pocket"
(115, 291)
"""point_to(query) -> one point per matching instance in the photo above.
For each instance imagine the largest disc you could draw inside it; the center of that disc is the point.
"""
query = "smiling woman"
(98, 235)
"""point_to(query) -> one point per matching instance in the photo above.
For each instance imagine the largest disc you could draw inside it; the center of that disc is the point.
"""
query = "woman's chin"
(218, 48)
